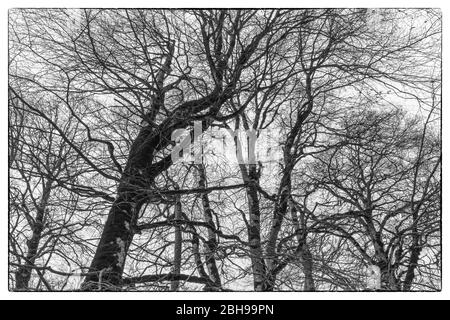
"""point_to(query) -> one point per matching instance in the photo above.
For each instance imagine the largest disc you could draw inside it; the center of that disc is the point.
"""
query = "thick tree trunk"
(107, 266)
(109, 259)
(388, 279)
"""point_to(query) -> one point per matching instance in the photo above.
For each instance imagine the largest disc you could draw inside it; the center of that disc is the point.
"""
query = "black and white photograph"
(223, 150)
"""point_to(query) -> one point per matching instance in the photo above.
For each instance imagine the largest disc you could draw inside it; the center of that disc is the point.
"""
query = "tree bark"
(109, 259)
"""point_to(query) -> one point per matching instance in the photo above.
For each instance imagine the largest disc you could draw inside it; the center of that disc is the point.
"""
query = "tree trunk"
(196, 250)
(109, 259)
(23, 274)
(413, 262)
(307, 263)
(277, 220)
(107, 266)
(211, 243)
(254, 228)
(177, 246)
(250, 178)
(305, 254)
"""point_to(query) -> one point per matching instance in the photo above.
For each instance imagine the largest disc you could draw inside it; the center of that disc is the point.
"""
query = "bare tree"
(103, 192)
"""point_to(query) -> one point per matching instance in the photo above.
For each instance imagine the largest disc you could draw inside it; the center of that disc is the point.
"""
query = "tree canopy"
(318, 166)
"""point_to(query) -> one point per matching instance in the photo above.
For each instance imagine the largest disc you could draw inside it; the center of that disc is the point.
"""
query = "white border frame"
(6, 295)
